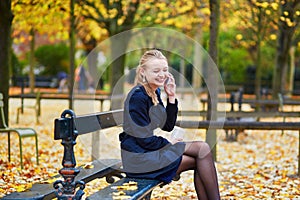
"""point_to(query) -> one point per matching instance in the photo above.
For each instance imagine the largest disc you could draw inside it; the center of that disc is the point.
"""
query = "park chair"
(22, 133)
(36, 107)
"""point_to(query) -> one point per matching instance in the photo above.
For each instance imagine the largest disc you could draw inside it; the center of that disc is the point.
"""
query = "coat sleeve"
(172, 110)
(138, 109)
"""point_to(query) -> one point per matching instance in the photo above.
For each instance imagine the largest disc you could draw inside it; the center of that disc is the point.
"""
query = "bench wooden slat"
(239, 125)
(94, 122)
(145, 186)
(255, 101)
(39, 191)
(240, 114)
(100, 169)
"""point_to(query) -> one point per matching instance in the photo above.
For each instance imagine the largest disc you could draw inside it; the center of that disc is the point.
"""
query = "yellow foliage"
(158, 21)
(112, 13)
(148, 18)
(282, 18)
(264, 4)
(289, 22)
(160, 5)
(273, 36)
(268, 12)
(121, 20)
(239, 37)
(205, 11)
(274, 6)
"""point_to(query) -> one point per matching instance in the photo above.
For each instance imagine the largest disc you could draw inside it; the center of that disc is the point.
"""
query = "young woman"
(146, 155)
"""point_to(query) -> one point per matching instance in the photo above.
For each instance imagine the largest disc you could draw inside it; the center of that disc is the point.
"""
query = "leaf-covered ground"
(260, 165)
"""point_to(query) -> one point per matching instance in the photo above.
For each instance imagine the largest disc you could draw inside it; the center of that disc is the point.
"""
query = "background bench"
(40, 81)
(39, 96)
(265, 104)
(226, 125)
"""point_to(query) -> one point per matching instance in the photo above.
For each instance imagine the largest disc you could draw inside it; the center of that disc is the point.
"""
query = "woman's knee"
(197, 149)
(204, 150)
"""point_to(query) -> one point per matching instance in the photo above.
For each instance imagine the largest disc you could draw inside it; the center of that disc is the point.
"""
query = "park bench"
(90, 123)
(269, 109)
(100, 97)
(67, 128)
(39, 81)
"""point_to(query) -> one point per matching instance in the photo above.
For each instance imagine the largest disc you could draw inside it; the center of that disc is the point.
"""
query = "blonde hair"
(139, 79)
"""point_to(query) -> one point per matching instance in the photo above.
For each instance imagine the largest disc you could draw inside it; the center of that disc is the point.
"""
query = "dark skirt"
(165, 174)
(150, 158)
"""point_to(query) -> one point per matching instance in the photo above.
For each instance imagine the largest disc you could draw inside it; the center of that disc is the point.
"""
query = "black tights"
(198, 157)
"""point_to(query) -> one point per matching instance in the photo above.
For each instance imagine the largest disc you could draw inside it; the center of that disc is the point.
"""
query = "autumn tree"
(288, 37)
(211, 134)
(119, 16)
(34, 18)
(6, 18)
(257, 27)
(89, 33)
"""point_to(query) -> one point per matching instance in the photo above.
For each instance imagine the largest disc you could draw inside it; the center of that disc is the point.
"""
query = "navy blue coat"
(145, 155)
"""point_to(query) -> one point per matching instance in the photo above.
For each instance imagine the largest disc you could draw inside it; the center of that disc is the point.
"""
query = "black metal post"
(232, 100)
(240, 100)
(65, 130)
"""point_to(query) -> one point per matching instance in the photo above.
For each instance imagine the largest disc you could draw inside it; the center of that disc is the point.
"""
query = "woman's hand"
(170, 88)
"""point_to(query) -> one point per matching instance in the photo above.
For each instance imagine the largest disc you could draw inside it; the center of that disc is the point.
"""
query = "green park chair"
(22, 133)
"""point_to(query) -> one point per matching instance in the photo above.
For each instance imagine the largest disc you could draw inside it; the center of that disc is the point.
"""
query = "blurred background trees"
(258, 40)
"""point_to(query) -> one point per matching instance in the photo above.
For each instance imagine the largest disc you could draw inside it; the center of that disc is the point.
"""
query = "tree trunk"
(258, 71)
(92, 67)
(91, 56)
(211, 135)
(5, 44)
(291, 71)
(31, 61)
(118, 48)
(72, 53)
(284, 43)
(197, 69)
(182, 71)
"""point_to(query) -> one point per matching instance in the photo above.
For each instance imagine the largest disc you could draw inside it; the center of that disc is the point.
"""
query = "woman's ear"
(142, 72)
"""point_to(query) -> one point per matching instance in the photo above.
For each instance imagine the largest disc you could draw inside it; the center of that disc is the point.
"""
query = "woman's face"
(156, 72)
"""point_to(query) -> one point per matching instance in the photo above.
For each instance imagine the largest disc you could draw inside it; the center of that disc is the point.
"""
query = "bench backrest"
(85, 123)
(94, 122)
